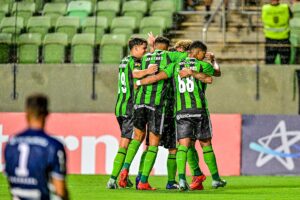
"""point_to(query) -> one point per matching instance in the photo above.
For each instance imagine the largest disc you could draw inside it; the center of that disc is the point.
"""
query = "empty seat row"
(55, 46)
(71, 25)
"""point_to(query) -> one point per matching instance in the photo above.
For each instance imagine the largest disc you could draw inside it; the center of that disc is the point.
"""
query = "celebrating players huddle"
(161, 97)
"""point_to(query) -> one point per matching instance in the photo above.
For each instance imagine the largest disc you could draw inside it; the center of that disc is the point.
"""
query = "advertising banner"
(271, 145)
(92, 141)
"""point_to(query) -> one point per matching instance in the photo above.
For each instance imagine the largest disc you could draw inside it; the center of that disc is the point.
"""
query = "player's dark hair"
(37, 105)
(198, 45)
(162, 40)
(136, 41)
(172, 49)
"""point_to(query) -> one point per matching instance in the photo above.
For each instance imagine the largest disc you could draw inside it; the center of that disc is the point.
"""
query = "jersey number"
(22, 170)
(122, 78)
(188, 86)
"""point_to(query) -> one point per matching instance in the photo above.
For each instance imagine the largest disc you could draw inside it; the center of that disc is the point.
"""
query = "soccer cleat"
(137, 180)
(183, 185)
(172, 186)
(197, 182)
(129, 183)
(145, 186)
(123, 178)
(112, 184)
(220, 183)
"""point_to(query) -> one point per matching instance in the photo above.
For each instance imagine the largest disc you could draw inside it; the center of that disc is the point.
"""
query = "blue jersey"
(32, 159)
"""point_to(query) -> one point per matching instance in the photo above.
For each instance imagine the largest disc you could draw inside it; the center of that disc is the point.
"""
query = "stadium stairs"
(241, 35)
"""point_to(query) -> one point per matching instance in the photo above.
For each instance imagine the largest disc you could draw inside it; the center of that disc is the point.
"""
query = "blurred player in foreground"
(35, 162)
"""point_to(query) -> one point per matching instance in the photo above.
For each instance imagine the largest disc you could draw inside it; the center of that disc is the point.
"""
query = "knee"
(205, 142)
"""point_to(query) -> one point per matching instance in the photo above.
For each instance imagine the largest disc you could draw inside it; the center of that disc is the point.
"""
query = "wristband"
(138, 82)
(216, 65)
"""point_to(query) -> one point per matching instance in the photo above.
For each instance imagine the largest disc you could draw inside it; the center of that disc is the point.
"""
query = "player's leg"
(149, 161)
(193, 161)
(168, 141)
(172, 168)
(141, 167)
(155, 125)
(126, 126)
(204, 136)
(184, 137)
(139, 123)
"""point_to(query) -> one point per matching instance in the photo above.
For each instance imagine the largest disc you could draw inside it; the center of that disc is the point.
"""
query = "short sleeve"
(208, 69)
(57, 161)
(169, 70)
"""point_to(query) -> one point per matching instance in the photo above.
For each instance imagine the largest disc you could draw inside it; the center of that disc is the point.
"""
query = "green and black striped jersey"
(125, 99)
(154, 94)
(189, 92)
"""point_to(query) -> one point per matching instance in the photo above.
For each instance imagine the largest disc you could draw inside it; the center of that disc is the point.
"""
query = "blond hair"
(185, 44)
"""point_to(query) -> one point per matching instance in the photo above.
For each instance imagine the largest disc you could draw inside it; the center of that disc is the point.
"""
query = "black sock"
(207, 8)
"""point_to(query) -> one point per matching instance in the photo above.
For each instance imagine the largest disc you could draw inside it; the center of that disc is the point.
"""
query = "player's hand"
(152, 68)
(151, 39)
(135, 86)
(185, 72)
(210, 56)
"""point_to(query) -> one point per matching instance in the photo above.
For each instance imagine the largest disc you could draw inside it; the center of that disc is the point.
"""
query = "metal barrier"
(220, 6)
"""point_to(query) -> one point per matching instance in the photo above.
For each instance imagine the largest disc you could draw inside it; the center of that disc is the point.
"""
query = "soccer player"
(148, 111)
(34, 160)
(129, 69)
(192, 118)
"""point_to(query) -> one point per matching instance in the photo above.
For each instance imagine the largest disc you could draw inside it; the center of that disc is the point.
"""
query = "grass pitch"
(93, 187)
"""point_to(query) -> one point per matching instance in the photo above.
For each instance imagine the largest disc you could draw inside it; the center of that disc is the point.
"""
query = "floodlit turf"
(88, 187)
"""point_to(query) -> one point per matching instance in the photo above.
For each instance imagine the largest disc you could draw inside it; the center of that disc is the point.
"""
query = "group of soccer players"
(161, 97)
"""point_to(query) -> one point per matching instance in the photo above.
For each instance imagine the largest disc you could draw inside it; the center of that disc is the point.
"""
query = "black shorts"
(152, 117)
(168, 137)
(194, 124)
(126, 126)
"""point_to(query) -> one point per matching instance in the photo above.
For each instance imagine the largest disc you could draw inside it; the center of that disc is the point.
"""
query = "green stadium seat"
(5, 45)
(164, 8)
(54, 47)
(39, 24)
(8, 25)
(9, 2)
(112, 48)
(108, 9)
(147, 1)
(153, 24)
(25, 10)
(88, 26)
(123, 25)
(29, 44)
(4, 10)
(167, 15)
(68, 25)
(83, 48)
(80, 9)
(163, 5)
(39, 4)
(54, 10)
(135, 9)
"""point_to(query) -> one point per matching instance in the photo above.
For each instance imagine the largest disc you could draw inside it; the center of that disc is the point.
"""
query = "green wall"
(70, 87)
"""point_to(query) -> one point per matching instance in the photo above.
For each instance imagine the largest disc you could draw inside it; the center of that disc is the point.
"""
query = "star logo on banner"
(282, 153)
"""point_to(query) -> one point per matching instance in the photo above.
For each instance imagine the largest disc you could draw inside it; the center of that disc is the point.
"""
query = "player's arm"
(60, 188)
(215, 64)
(186, 72)
(58, 171)
(152, 68)
(152, 79)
